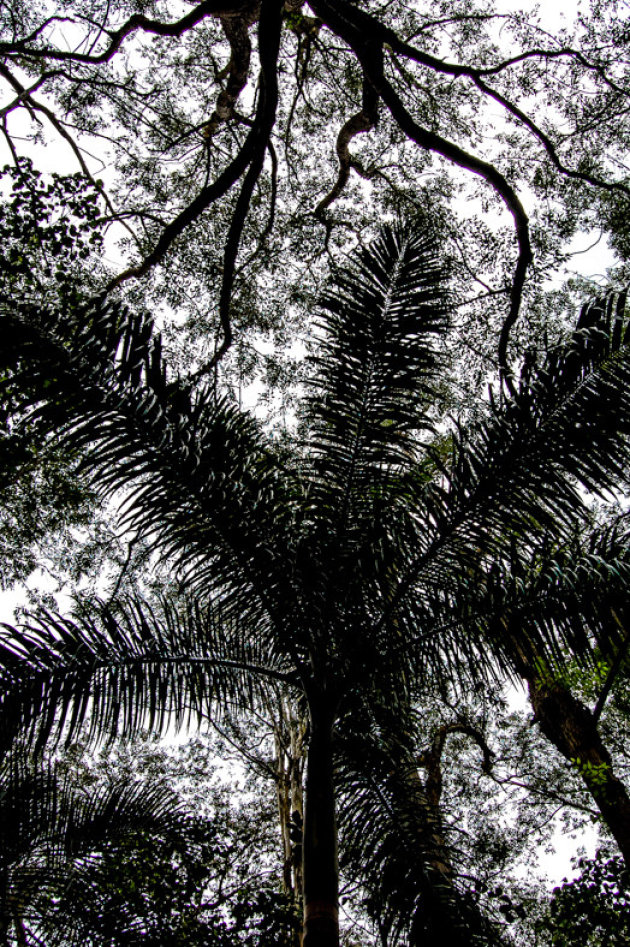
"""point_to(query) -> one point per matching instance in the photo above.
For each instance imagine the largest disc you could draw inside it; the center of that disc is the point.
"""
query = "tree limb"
(136, 22)
(345, 21)
(362, 121)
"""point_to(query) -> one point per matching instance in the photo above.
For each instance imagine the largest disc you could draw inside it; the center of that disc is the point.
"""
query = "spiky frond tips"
(373, 384)
(197, 473)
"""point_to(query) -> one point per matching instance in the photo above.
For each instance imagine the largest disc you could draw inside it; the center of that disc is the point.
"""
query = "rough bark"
(572, 728)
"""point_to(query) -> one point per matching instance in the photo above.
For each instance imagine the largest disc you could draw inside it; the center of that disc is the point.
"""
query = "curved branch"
(431, 759)
(546, 142)
(362, 121)
(341, 18)
(378, 32)
(136, 22)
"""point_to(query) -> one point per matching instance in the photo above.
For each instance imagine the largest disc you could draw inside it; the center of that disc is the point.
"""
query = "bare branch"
(136, 22)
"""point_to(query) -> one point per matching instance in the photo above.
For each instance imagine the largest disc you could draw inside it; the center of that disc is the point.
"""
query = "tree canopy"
(368, 572)
(244, 142)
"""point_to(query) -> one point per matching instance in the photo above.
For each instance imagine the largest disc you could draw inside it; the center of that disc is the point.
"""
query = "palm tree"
(50, 829)
(340, 567)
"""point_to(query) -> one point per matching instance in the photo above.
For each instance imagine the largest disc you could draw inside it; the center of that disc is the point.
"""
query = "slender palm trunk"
(321, 874)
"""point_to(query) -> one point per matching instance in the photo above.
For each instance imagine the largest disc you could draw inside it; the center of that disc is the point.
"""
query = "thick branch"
(345, 21)
(431, 760)
(136, 22)
(236, 29)
(614, 669)
(269, 46)
(250, 155)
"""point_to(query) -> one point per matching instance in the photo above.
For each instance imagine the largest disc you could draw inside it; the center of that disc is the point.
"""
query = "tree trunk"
(442, 915)
(572, 728)
(320, 866)
(289, 732)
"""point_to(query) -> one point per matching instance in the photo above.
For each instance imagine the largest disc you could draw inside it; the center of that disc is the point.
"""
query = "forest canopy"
(307, 404)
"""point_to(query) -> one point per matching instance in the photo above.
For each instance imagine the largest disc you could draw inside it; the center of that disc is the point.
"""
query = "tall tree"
(340, 567)
(238, 132)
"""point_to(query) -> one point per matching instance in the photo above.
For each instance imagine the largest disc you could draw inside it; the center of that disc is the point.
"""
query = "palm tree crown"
(360, 561)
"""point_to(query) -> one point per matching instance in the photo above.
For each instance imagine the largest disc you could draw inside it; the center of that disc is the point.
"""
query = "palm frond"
(523, 471)
(127, 667)
(196, 472)
(565, 604)
(375, 365)
(549, 604)
(50, 825)
(394, 836)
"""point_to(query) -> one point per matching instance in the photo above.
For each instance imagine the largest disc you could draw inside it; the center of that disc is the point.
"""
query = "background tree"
(595, 905)
(248, 142)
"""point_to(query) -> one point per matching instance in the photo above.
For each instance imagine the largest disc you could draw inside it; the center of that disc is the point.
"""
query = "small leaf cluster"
(595, 774)
(49, 226)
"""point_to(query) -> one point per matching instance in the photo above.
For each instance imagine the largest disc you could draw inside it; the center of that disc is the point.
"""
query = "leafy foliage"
(49, 228)
(592, 909)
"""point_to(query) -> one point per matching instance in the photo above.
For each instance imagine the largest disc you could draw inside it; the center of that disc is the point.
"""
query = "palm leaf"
(523, 471)
(48, 828)
(196, 472)
(394, 837)
(374, 371)
(544, 603)
(127, 667)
